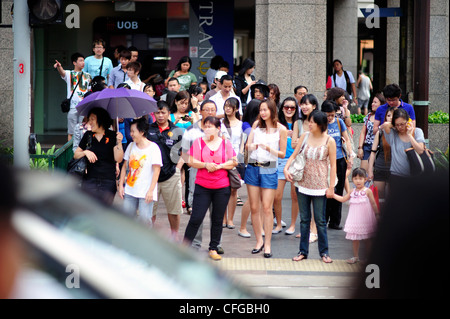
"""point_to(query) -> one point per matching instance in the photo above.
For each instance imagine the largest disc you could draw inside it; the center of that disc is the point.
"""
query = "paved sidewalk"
(279, 276)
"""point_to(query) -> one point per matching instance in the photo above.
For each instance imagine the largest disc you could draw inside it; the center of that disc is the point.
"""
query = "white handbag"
(298, 164)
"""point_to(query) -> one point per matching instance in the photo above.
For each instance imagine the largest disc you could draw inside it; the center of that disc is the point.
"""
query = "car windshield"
(132, 253)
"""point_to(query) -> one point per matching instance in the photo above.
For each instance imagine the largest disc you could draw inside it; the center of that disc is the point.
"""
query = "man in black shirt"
(168, 137)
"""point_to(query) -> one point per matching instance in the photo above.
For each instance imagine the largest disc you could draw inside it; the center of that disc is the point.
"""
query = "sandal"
(352, 260)
(312, 238)
(239, 202)
(299, 257)
(326, 259)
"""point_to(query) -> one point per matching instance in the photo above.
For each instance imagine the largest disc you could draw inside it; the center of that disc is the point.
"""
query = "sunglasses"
(292, 108)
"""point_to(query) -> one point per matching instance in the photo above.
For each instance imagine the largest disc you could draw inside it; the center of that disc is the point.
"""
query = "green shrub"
(357, 118)
(41, 163)
(438, 117)
(5, 150)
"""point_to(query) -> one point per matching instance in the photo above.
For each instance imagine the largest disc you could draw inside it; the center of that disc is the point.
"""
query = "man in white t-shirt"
(133, 70)
(225, 92)
(344, 80)
(84, 85)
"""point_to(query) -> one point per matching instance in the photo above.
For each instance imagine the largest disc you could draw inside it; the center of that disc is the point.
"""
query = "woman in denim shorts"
(266, 143)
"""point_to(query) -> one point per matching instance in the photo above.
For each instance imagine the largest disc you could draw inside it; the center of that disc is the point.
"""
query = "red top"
(201, 152)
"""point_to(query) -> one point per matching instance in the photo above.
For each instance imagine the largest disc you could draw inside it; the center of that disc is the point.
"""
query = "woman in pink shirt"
(213, 157)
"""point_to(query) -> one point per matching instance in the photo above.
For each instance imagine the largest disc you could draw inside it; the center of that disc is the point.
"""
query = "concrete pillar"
(290, 44)
(345, 34)
(6, 78)
(439, 56)
(393, 46)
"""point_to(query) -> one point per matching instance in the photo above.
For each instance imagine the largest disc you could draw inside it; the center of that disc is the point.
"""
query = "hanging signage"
(211, 33)
(127, 25)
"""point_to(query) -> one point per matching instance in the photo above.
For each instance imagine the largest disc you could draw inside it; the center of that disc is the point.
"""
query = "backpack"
(347, 79)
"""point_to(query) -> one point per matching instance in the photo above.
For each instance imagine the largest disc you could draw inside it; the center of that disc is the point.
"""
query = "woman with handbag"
(308, 104)
(213, 157)
(231, 128)
(402, 135)
(315, 186)
(266, 143)
(102, 155)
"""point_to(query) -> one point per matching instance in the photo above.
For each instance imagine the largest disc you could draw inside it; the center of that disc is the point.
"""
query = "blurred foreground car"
(79, 248)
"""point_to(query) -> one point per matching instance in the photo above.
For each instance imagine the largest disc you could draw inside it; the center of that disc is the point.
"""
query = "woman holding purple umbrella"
(102, 148)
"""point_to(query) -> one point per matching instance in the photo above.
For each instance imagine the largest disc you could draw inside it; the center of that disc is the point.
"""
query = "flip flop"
(326, 259)
(239, 202)
(299, 257)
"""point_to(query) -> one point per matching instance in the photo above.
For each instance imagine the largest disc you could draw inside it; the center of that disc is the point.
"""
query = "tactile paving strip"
(278, 264)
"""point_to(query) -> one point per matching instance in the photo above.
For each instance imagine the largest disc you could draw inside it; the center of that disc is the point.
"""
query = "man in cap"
(226, 91)
(216, 86)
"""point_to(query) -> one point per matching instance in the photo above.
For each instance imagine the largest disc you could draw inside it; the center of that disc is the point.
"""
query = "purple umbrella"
(120, 103)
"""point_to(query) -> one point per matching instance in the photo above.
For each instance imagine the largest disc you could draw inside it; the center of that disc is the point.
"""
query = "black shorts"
(381, 175)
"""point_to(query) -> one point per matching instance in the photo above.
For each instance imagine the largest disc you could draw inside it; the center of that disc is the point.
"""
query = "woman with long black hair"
(266, 143)
(232, 128)
(103, 149)
(244, 80)
(183, 73)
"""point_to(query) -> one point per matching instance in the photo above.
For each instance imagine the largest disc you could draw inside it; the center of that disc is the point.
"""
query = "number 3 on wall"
(21, 68)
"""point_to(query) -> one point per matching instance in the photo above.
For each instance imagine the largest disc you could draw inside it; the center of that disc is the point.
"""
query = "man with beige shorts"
(166, 135)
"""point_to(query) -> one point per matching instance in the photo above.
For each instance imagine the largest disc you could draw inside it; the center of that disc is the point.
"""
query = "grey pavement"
(279, 276)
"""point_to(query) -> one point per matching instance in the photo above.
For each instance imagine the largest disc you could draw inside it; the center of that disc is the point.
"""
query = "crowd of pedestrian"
(204, 131)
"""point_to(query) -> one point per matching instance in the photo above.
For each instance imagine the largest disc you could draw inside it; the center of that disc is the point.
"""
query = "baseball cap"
(219, 74)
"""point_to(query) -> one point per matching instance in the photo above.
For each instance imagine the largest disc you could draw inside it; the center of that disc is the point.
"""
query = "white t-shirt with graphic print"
(140, 171)
(71, 78)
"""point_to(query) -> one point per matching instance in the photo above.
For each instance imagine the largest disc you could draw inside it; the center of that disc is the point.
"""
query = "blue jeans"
(319, 206)
(132, 204)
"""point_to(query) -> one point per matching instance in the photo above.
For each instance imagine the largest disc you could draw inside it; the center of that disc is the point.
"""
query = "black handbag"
(420, 163)
(65, 104)
(78, 167)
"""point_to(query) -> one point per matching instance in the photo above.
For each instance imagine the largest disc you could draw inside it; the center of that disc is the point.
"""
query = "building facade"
(292, 41)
